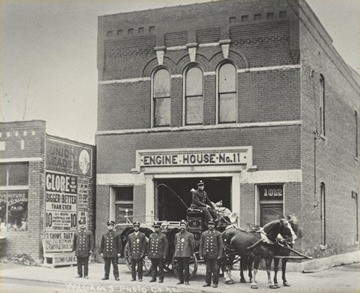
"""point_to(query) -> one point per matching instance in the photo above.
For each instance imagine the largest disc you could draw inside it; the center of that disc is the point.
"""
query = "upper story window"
(227, 94)
(161, 98)
(194, 101)
(322, 105)
(14, 174)
(356, 135)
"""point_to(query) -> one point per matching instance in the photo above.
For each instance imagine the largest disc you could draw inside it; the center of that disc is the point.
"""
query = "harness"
(264, 239)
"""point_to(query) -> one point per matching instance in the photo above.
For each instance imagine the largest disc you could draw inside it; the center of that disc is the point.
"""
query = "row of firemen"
(156, 248)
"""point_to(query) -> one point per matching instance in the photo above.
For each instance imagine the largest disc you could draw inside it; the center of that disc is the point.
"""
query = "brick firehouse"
(249, 96)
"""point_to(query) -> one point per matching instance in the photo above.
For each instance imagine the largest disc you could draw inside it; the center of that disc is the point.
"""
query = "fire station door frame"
(195, 162)
(150, 189)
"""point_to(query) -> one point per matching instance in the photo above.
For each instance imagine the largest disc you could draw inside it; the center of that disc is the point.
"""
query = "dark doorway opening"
(173, 196)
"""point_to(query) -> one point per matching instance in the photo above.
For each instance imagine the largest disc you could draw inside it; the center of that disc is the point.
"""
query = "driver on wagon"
(201, 201)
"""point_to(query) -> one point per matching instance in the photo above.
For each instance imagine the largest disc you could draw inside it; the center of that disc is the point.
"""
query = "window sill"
(13, 231)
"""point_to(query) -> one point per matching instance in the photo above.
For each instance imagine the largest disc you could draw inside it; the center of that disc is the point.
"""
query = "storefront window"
(14, 210)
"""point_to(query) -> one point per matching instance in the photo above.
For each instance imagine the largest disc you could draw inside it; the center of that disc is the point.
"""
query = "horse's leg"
(285, 283)
(268, 270)
(276, 269)
(257, 260)
(227, 275)
(243, 266)
(250, 262)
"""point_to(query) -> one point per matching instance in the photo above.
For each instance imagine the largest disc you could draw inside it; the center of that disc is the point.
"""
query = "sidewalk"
(62, 279)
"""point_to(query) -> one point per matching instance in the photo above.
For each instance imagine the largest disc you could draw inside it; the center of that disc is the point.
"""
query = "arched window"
(194, 101)
(227, 95)
(161, 98)
(323, 213)
(322, 105)
(356, 135)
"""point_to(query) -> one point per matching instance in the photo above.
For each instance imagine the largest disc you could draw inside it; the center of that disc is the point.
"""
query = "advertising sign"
(60, 210)
(68, 177)
(58, 241)
(68, 158)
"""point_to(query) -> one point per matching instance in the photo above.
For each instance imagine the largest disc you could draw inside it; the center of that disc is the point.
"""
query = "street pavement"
(17, 279)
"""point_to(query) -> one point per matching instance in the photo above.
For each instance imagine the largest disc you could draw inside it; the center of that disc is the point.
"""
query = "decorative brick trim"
(202, 127)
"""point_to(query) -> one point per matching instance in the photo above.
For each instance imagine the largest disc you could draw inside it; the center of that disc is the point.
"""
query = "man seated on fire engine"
(223, 211)
(201, 201)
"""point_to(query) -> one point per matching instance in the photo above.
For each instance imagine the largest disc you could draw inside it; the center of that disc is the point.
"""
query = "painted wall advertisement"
(67, 184)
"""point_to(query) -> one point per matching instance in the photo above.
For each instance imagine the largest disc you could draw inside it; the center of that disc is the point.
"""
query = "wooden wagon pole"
(295, 251)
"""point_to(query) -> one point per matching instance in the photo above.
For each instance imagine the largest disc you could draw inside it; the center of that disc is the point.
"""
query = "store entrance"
(173, 196)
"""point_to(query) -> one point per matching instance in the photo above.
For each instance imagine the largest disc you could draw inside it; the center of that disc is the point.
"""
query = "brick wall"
(275, 148)
(263, 34)
(334, 162)
(32, 134)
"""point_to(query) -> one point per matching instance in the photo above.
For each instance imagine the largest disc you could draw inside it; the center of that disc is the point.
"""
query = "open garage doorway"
(173, 196)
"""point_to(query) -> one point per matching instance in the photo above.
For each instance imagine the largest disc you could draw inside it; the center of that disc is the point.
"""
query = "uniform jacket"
(158, 246)
(83, 243)
(211, 244)
(200, 199)
(184, 244)
(110, 244)
(137, 245)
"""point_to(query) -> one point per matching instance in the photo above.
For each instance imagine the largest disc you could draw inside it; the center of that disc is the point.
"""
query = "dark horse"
(258, 245)
(280, 250)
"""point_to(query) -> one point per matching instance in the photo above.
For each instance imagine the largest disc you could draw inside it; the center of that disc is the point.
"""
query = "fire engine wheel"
(146, 261)
(193, 265)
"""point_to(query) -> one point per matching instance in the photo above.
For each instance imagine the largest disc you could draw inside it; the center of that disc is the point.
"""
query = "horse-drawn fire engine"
(196, 225)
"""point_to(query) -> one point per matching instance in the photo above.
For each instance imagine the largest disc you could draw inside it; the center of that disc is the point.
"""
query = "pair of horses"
(255, 245)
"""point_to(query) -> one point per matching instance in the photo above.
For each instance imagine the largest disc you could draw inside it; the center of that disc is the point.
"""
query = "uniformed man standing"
(184, 248)
(110, 250)
(157, 252)
(211, 249)
(137, 249)
(83, 246)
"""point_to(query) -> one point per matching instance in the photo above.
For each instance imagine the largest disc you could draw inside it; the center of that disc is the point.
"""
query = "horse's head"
(227, 235)
(286, 231)
(282, 227)
(295, 226)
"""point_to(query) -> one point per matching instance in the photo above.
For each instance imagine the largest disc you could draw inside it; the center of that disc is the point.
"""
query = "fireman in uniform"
(83, 246)
(157, 252)
(137, 249)
(201, 201)
(184, 248)
(110, 250)
(211, 249)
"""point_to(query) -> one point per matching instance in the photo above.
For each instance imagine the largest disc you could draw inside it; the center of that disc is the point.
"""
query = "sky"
(48, 56)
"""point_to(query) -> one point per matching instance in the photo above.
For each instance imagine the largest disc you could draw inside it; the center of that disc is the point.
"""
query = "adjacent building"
(249, 96)
(47, 185)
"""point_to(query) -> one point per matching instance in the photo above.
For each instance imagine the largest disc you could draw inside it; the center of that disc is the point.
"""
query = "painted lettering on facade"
(208, 158)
